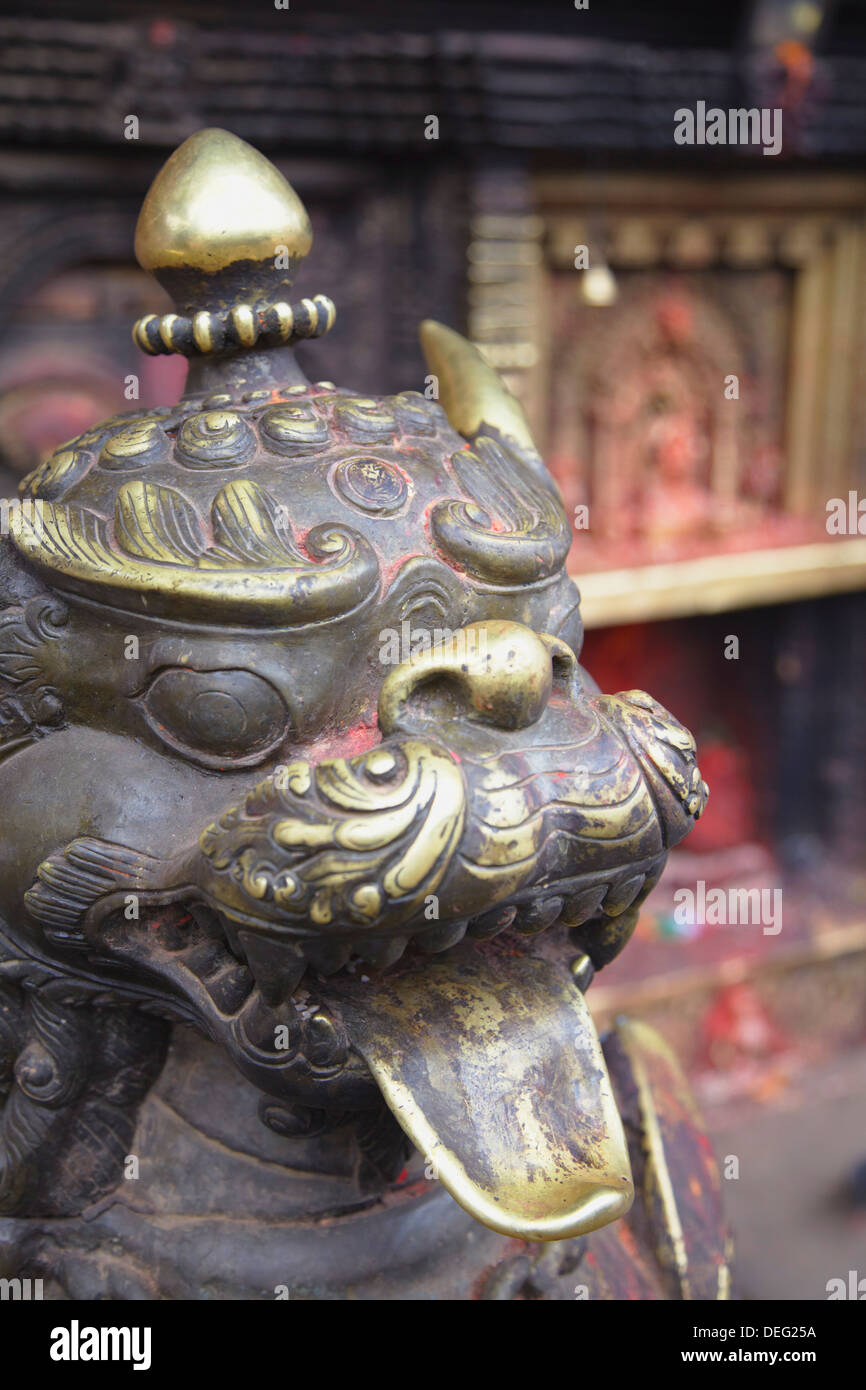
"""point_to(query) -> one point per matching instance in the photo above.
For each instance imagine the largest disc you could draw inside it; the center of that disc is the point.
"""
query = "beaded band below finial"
(239, 327)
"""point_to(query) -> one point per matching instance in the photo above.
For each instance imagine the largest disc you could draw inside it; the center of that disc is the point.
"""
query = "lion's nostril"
(502, 670)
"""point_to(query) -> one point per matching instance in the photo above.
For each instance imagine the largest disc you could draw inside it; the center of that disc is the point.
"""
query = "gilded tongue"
(491, 1063)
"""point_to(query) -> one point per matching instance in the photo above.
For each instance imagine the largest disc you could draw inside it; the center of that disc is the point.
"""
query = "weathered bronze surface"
(296, 749)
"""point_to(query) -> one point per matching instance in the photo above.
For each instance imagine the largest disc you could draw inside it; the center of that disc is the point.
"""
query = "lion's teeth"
(536, 917)
(325, 1044)
(327, 956)
(277, 966)
(270, 1029)
(229, 988)
(491, 923)
(382, 951)
(581, 906)
(440, 938)
(622, 894)
(582, 970)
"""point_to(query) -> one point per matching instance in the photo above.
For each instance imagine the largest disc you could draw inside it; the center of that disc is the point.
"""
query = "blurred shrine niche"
(666, 461)
(702, 342)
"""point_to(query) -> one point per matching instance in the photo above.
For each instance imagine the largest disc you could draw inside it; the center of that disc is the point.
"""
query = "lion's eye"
(217, 718)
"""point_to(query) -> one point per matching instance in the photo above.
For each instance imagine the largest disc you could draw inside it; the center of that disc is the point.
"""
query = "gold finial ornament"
(224, 232)
(217, 201)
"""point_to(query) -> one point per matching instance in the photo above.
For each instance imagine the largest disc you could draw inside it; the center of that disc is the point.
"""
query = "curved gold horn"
(471, 393)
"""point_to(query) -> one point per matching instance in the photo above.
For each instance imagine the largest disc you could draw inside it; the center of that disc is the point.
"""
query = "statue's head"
(294, 739)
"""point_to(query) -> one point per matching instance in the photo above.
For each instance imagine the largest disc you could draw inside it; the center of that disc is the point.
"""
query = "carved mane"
(30, 616)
